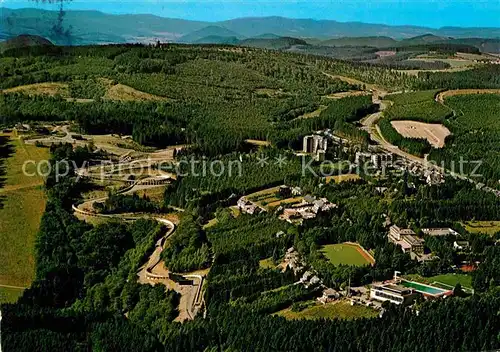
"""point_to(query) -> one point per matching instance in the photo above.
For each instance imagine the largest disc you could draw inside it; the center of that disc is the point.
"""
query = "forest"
(86, 295)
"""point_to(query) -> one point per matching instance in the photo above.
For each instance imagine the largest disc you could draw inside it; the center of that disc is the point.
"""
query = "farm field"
(345, 254)
(23, 205)
(487, 227)
(335, 310)
(434, 133)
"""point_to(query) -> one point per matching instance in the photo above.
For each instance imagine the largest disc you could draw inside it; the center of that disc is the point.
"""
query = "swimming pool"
(426, 289)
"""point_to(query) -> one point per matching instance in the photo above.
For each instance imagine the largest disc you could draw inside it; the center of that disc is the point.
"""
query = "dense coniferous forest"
(86, 295)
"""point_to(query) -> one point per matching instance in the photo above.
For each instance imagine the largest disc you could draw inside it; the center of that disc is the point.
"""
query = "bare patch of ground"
(258, 143)
(434, 133)
(48, 88)
(346, 94)
(450, 93)
(342, 178)
(122, 92)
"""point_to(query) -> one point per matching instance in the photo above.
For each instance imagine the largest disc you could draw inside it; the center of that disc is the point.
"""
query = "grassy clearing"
(260, 194)
(267, 263)
(9, 295)
(345, 254)
(288, 201)
(211, 223)
(23, 205)
(486, 227)
(342, 178)
(258, 143)
(122, 92)
(335, 310)
(49, 88)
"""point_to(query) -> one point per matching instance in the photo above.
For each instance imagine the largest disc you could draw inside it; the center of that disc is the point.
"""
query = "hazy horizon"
(424, 13)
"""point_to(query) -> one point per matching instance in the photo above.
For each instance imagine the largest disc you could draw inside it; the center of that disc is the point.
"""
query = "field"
(267, 263)
(9, 295)
(434, 133)
(23, 201)
(121, 92)
(486, 227)
(49, 88)
(346, 254)
(336, 310)
(342, 178)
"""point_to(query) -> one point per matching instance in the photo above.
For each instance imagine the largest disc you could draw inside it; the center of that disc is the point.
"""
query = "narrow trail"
(13, 287)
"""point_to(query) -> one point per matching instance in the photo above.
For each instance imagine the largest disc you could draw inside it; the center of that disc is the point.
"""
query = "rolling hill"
(214, 39)
(276, 43)
(211, 31)
(24, 40)
(378, 42)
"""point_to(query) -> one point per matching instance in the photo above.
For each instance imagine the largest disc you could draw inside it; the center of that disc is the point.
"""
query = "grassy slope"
(23, 205)
(486, 227)
(339, 310)
(9, 295)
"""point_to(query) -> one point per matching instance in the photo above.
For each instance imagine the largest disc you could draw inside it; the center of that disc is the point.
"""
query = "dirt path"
(440, 97)
(13, 287)
(353, 81)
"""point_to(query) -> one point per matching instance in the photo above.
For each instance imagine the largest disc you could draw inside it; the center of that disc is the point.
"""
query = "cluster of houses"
(249, 207)
(378, 160)
(308, 278)
(309, 208)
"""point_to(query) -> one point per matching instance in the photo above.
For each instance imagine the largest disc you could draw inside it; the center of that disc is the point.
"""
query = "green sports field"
(345, 254)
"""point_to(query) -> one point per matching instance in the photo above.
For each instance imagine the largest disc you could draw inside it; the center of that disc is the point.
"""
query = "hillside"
(24, 40)
(214, 39)
(214, 32)
(277, 44)
(378, 42)
(423, 39)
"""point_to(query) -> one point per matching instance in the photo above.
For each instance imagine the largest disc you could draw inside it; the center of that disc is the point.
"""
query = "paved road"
(370, 125)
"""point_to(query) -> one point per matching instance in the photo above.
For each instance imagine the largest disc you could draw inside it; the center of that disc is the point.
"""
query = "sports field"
(445, 281)
(22, 203)
(347, 254)
(335, 310)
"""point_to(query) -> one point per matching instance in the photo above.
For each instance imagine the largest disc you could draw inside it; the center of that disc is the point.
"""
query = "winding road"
(153, 271)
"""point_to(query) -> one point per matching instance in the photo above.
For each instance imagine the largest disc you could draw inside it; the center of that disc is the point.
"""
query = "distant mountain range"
(93, 27)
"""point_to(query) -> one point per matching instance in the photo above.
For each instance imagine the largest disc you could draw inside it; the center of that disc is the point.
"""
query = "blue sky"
(431, 13)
